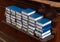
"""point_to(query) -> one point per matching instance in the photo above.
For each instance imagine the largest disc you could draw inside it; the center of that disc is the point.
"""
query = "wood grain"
(51, 3)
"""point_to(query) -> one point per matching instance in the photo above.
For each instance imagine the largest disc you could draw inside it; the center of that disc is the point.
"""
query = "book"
(25, 26)
(8, 21)
(31, 33)
(24, 29)
(7, 15)
(18, 17)
(43, 22)
(46, 35)
(32, 24)
(12, 17)
(18, 25)
(24, 21)
(35, 17)
(13, 23)
(31, 30)
(46, 28)
(28, 11)
(19, 21)
(23, 18)
(42, 34)
(14, 9)
(31, 27)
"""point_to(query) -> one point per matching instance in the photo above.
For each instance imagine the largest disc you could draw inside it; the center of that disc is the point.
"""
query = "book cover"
(46, 35)
(15, 8)
(46, 28)
(35, 16)
(42, 34)
(28, 11)
(43, 22)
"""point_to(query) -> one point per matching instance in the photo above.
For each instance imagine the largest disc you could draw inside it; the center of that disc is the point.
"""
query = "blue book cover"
(41, 28)
(35, 16)
(28, 11)
(43, 22)
(49, 34)
(42, 34)
(45, 29)
(15, 8)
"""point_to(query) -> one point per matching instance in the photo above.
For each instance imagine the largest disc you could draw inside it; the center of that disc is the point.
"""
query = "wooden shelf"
(51, 3)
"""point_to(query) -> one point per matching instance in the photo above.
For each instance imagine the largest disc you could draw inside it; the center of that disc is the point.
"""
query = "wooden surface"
(51, 3)
(19, 36)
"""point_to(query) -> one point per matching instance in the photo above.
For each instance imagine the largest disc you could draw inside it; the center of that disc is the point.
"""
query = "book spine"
(33, 28)
(19, 21)
(18, 25)
(24, 28)
(31, 13)
(24, 21)
(31, 24)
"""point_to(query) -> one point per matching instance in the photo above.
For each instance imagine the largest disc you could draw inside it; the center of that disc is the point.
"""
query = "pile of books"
(14, 17)
(25, 17)
(29, 21)
(32, 22)
(43, 28)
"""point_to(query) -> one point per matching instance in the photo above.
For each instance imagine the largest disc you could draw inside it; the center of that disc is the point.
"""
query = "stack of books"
(28, 20)
(32, 22)
(7, 18)
(43, 28)
(25, 16)
(15, 15)
(8, 13)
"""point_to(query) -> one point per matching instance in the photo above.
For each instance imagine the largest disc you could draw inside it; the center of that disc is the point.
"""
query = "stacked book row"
(29, 21)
